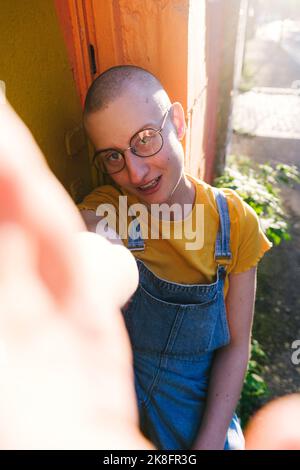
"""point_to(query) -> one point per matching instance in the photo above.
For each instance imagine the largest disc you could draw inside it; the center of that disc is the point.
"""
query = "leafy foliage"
(259, 186)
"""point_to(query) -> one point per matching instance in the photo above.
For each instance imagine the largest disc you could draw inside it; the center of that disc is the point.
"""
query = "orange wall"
(151, 34)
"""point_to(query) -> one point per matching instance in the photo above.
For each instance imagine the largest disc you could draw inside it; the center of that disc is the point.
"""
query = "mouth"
(151, 186)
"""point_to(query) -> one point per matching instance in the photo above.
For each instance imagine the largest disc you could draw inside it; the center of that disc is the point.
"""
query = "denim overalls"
(174, 330)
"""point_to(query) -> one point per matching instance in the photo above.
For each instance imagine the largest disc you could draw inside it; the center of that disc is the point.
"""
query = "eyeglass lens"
(145, 143)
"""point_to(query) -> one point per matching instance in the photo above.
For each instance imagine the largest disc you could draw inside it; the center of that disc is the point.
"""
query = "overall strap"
(223, 253)
(135, 239)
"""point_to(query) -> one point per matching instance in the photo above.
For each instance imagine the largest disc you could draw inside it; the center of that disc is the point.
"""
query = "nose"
(137, 168)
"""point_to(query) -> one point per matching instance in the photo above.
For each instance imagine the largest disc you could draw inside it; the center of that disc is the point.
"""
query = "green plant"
(255, 389)
(259, 185)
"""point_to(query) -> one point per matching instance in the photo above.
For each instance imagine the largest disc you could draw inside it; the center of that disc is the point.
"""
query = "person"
(66, 377)
(190, 319)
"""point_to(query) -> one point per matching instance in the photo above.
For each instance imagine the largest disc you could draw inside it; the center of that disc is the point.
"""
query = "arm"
(91, 221)
(230, 363)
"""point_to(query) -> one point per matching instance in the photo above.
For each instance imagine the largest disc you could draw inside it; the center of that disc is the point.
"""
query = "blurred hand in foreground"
(66, 376)
(276, 425)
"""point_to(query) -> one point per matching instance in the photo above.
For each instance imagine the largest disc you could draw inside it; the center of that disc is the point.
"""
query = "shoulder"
(248, 241)
(238, 209)
(243, 218)
(241, 213)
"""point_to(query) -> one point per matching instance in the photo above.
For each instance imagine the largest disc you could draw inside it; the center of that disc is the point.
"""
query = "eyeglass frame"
(121, 151)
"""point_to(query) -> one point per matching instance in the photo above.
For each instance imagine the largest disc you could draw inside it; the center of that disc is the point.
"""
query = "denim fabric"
(174, 330)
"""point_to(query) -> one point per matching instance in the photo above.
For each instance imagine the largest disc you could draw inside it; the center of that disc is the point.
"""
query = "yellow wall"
(39, 83)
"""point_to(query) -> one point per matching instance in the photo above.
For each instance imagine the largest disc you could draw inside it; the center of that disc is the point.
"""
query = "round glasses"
(145, 143)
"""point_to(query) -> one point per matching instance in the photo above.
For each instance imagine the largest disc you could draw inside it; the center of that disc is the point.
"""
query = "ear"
(178, 119)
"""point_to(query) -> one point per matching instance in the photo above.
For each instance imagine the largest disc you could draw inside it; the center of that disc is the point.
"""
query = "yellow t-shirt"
(169, 257)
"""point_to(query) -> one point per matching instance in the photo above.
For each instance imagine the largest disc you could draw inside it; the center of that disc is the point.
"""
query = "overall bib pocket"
(171, 329)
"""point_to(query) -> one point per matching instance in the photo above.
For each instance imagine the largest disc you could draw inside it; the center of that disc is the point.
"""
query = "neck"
(184, 193)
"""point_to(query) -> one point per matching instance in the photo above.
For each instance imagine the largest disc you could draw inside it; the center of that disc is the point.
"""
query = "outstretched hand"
(66, 376)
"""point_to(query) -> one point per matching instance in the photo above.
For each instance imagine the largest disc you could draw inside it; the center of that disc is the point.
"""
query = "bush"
(259, 186)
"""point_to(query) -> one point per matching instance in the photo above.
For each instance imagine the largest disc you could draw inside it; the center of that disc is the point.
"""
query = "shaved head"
(121, 79)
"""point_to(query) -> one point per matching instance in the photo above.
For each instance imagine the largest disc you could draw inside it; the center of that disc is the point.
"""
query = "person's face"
(114, 126)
